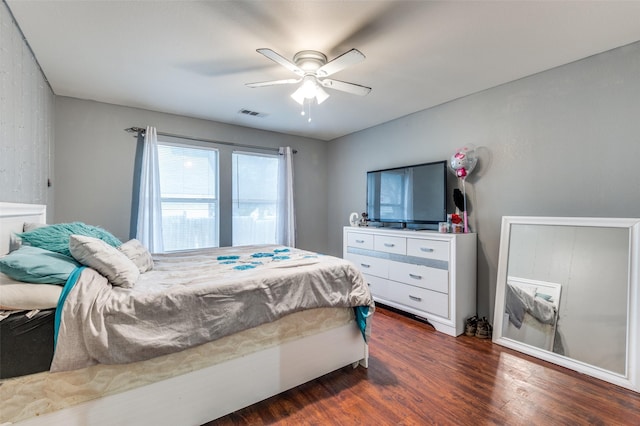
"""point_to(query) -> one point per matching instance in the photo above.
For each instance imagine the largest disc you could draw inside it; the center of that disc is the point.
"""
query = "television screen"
(408, 195)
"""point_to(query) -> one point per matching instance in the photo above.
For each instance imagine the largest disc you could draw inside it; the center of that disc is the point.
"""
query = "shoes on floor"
(471, 326)
(483, 329)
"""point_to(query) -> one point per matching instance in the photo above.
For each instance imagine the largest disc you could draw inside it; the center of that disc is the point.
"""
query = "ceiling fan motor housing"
(309, 60)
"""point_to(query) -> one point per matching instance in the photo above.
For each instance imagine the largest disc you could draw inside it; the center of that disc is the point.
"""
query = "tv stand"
(428, 274)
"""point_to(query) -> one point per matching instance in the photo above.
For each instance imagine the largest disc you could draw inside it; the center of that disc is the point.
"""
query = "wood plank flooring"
(417, 376)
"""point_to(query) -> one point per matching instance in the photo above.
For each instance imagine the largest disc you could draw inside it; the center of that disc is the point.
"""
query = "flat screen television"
(411, 196)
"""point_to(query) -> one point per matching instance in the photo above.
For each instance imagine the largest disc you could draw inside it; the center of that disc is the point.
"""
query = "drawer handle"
(364, 265)
(389, 245)
(415, 277)
(415, 298)
(360, 241)
(426, 249)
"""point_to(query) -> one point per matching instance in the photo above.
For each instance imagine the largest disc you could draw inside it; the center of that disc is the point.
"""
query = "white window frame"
(215, 200)
(275, 201)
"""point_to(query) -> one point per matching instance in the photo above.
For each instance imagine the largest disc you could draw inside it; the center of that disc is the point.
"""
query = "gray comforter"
(190, 298)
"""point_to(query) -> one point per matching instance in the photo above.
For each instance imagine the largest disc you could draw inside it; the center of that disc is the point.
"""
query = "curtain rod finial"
(135, 130)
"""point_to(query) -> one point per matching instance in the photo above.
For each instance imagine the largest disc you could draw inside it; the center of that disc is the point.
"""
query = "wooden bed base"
(204, 395)
(201, 396)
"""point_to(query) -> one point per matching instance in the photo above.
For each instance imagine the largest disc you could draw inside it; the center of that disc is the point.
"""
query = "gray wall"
(94, 159)
(26, 121)
(565, 142)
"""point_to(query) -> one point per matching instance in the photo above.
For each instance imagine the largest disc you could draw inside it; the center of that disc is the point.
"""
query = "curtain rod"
(141, 131)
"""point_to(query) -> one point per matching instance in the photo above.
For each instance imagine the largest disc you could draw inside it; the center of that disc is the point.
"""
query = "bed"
(531, 312)
(198, 383)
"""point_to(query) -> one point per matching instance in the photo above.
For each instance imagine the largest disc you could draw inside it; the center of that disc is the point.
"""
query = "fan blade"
(384, 19)
(354, 89)
(343, 61)
(281, 60)
(274, 82)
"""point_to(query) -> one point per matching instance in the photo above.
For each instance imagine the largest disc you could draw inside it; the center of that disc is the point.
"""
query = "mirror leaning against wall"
(567, 293)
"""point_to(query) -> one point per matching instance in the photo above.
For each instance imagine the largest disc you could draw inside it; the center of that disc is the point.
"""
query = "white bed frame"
(543, 335)
(204, 395)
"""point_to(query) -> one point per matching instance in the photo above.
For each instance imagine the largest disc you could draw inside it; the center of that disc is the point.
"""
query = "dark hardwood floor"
(417, 376)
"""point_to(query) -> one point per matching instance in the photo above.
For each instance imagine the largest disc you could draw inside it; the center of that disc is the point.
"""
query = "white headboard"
(12, 219)
(552, 289)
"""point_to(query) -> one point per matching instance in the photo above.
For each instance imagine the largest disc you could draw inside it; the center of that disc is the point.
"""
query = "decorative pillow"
(18, 295)
(30, 226)
(38, 266)
(107, 260)
(15, 242)
(56, 237)
(138, 254)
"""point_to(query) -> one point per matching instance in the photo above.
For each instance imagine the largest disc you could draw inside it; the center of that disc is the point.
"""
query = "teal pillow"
(56, 237)
(38, 266)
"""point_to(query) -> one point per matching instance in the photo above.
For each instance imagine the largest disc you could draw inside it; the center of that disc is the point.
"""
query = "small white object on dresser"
(426, 273)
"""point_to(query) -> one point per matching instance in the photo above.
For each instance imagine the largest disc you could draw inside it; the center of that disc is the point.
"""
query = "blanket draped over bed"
(194, 297)
(519, 302)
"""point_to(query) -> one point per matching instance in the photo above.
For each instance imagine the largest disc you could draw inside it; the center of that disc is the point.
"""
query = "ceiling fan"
(312, 69)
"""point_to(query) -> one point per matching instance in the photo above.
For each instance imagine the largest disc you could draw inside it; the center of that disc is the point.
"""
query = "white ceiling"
(192, 58)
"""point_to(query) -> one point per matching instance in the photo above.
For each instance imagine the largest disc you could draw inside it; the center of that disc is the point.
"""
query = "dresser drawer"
(430, 249)
(396, 245)
(420, 276)
(377, 286)
(360, 240)
(370, 265)
(419, 298)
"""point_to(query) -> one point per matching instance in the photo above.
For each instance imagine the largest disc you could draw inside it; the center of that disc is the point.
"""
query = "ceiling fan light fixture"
(321, 95)
(298, 96)
(309, 89)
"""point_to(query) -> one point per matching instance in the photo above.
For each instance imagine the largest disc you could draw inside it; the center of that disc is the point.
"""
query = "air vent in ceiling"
(252, 113)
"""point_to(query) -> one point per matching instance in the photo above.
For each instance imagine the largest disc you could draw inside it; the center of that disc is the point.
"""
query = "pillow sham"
(107, 260)
(56, 237)
(30, 226)
(138, 254)
(21, 296)
(15, 242)
(38, 266)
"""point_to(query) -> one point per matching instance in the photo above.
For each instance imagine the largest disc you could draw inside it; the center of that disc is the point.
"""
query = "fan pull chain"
(303, 113)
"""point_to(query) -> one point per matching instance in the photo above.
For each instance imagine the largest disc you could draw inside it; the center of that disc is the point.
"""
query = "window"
(255, 194)
(199, 194)
(189, 196)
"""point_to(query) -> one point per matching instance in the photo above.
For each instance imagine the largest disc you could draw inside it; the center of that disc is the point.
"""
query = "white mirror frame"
(629, 380)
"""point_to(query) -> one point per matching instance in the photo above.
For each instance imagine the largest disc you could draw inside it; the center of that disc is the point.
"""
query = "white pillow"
(15, 242)
(104, 258)
(18, 295)
(30, 226)
(138, 254)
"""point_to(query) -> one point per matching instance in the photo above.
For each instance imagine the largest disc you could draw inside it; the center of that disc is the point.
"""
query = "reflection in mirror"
(567, 292)
(567, 288)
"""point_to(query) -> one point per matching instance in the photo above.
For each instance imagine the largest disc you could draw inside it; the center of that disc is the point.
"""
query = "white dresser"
(425, 273)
